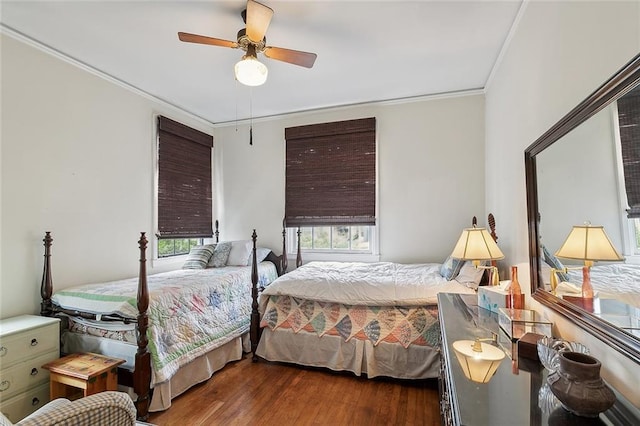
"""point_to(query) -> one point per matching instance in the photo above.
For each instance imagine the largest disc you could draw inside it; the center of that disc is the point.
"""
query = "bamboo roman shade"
(184, 181)
(629, 121)
(331, 173)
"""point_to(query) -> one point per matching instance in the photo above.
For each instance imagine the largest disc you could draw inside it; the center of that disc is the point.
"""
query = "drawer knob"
(3, 350)
(4, 385)
(35, 401)
(34, 342)
(34, 371)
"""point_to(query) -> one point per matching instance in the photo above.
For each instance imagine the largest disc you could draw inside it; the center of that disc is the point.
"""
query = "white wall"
(430, 171)
(77, 160)
(559, 54)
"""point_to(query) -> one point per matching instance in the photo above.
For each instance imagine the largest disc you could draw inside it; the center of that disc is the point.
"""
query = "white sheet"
(613, 281)
(371, 284)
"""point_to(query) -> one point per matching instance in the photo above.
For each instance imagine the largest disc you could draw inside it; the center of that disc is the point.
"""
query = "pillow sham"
(470, 276)
(261, 254)
(239, 255)
(450, 268)
(199, 256)
(220, 255)
(555, 263)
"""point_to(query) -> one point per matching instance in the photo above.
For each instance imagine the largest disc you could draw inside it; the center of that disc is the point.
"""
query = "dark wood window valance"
(184, 181)
(629, 121)
(331, 173)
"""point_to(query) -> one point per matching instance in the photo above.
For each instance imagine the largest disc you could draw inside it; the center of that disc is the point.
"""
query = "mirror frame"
(618, 85)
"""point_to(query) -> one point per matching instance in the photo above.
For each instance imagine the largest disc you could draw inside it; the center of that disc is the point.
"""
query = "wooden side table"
(90, 372)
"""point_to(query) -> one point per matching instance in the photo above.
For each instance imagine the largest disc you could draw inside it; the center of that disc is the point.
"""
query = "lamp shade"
(479, 360)
(251, 72)
(476, 244)
(589, 243)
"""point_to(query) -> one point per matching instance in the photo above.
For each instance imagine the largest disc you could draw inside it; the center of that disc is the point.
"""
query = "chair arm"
(104, 408)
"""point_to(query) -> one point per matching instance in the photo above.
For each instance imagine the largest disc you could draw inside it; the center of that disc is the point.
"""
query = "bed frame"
(140, 378)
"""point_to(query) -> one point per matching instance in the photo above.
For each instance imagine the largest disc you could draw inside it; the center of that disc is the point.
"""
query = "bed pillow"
(450, 268)
(199, 256)
(554, 262)
(220, 255)
(239, 255)
(470, 276)
(261, 254)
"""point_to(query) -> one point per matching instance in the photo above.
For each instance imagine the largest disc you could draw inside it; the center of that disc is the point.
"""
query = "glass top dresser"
(517, 394)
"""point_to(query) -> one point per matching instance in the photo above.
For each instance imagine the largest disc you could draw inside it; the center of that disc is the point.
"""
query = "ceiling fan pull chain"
(251, 116)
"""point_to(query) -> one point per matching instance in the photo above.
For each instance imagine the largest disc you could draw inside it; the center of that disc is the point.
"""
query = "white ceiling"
(367, 50)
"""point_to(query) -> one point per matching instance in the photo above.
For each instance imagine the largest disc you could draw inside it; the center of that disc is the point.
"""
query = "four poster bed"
(378, 319)
(174, 329)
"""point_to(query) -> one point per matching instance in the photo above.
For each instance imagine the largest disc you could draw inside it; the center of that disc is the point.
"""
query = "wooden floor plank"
(266, 393)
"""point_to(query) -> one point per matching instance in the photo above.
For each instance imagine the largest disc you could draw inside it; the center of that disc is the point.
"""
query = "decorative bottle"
(516, 301)
(587, 289)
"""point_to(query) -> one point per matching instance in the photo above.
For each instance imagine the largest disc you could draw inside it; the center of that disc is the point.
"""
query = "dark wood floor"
(276, 394)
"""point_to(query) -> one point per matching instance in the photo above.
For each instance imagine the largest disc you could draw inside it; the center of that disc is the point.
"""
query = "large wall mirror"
(583, 170)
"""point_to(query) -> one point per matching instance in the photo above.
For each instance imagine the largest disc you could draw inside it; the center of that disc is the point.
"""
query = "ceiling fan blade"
(258, 19)
(195, 38)
(296, 57)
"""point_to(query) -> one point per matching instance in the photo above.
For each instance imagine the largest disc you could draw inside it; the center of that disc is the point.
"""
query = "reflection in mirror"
(582, 179)
(585, 170)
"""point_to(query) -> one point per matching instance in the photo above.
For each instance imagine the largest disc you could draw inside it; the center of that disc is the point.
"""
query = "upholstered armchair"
(102, 409)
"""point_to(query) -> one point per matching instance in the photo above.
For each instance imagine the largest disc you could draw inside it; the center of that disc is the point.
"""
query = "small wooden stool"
(92, 373)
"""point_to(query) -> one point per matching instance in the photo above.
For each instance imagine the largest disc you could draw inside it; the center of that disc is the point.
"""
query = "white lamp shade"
(251, 72)
(476, 244)
(588, 242)
(478, 366)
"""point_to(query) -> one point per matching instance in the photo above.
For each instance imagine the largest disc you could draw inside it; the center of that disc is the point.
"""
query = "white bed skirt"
(197, 371)
(357, 356)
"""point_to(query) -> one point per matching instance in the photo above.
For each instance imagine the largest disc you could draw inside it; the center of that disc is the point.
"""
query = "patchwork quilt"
(191, 311)
(406, 325)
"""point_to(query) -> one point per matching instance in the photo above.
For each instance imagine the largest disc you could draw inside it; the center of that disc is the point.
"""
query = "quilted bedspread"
(190, 312)
(381, 301)
(405, 325)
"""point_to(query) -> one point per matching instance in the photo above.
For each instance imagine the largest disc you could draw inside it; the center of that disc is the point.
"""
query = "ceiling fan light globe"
(251, 72)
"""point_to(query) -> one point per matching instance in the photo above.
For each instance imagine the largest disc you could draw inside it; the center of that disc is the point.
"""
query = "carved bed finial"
(46, 287)
(492, 226)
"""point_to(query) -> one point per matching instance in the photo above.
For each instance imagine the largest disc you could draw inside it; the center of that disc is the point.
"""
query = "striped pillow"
(199, 257)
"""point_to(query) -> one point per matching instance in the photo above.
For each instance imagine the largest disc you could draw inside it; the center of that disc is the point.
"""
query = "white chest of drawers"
(26, 343)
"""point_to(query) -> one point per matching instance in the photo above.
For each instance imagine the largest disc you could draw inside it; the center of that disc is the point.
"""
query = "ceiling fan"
(252, 40)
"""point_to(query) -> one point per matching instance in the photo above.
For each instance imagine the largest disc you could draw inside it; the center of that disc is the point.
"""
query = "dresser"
(27, 342)
(517, 394)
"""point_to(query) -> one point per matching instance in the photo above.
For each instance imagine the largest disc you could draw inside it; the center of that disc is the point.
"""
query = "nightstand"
(26, 343)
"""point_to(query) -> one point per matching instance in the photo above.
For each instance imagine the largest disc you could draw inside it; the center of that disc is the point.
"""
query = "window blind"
(629, 122)
(331, 173)
(184, 181)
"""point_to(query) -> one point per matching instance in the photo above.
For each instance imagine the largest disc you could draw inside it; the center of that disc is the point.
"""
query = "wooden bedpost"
(299, 252)
(217, 233)
(254, 330)
(142, 373)
(46, 288)
(285, 261)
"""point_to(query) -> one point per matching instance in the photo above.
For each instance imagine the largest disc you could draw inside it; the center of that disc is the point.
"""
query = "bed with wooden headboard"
(374, 319)
(174, 329)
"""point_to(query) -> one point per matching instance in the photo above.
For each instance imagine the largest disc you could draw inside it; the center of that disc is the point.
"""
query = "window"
(331, 186)
(184, 187)
(176, 246)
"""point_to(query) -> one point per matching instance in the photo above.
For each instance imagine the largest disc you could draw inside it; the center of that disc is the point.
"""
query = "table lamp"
(476, 244)
(588, 243)
(479, 361)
